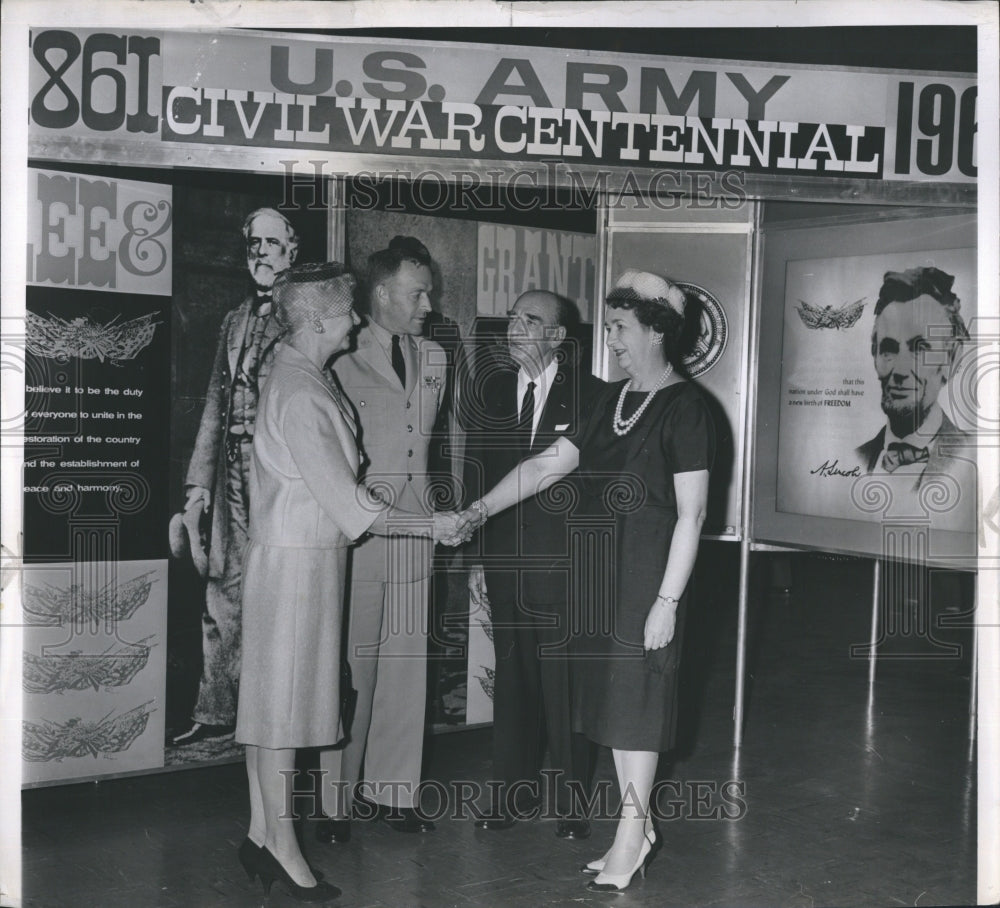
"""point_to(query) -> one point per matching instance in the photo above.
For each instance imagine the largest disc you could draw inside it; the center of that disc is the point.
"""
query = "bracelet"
(484, 512)
(667, 599)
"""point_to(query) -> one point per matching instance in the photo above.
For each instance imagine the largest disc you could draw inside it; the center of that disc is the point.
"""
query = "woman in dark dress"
(644, 462)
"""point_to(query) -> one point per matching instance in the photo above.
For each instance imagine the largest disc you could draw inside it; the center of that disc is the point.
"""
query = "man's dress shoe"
(525, 809)
(573, 829)
(333, 831)
(494, 823)
(201, 732)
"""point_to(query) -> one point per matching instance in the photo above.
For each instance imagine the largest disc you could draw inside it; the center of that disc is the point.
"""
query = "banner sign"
(462, 102)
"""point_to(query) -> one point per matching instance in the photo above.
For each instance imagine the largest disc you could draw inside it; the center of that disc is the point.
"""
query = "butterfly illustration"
(828, 317)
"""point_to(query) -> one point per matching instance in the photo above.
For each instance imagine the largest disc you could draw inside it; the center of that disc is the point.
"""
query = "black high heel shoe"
(269, 869)
(249, 855)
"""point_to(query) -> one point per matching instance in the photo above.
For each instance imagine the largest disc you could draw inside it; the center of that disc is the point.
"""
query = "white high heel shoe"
(594, 867)
(619, 882)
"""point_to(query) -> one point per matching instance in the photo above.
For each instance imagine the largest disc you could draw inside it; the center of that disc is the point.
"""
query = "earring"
(655, 339)
(318, 325)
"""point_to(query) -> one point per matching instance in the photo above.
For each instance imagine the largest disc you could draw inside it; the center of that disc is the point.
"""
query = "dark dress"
(623, 697)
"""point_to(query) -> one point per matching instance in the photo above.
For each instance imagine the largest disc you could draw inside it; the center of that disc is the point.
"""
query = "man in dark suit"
(511, 414)
(219, 470)
(917, 333)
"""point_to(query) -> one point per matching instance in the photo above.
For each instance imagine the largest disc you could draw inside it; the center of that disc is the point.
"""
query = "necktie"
(263, 304)
(900, 453)
(398, 364)
(526, 417)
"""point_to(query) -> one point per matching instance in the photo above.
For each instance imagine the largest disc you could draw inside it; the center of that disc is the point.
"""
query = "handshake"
(454, 527)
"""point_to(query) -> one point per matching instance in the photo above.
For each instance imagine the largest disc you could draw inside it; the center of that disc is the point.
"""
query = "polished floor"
(839, 796)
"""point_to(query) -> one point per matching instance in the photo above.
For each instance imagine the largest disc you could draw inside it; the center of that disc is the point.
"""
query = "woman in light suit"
(306, 508)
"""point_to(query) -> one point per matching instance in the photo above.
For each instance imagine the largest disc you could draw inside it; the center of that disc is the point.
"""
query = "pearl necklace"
(622, 426)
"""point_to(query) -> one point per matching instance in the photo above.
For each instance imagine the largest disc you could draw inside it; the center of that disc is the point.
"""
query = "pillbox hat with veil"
(307, 294)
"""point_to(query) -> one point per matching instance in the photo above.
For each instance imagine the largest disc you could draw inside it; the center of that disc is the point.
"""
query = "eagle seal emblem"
(712, 333)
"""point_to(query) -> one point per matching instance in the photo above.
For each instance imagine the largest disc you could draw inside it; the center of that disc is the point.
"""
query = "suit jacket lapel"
(945, 446)
(558, 402)
(498, 398)
(877, 445)
(505, 415)
(236, 335)
(273, 329)
(502, 400)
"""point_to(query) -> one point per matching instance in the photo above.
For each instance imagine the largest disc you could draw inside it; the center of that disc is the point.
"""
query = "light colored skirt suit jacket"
(305, 510)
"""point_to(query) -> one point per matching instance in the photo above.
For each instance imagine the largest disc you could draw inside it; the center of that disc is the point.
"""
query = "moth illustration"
(59, 338)
(53, 606)
(46, 741)
(75, 671)
(828, 317)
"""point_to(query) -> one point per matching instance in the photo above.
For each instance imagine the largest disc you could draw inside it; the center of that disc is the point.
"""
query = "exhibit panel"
(844, 375)
(94, 669)
(97, 365)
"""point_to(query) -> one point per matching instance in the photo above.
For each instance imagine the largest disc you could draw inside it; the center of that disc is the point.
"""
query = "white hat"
(642, 285)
